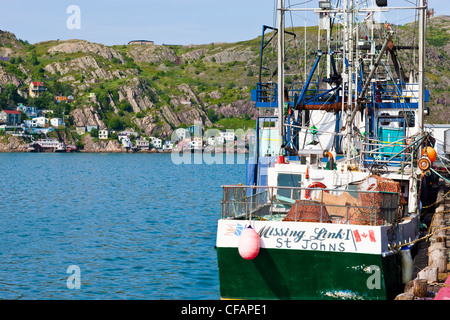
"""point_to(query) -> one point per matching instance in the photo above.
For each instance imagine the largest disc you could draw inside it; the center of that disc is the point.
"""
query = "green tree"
(94, 133)
(211, 114)
(125, 106)
(45, 101)
(33, 58)
(9, 96)
(116, 124)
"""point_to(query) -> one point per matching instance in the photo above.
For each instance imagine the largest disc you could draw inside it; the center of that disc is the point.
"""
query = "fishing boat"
(339, 170)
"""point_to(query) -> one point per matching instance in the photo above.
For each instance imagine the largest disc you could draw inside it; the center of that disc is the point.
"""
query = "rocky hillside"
(155, 89)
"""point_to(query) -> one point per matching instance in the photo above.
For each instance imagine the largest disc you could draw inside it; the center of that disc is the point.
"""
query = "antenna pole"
(280, 67)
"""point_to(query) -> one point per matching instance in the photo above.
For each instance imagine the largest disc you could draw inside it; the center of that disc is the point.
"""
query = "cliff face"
(87, 116)
(155, 89)
(101, 145)
(13, 144)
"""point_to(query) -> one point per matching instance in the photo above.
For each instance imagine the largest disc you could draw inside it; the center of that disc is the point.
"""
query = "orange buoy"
(431, 153)
(249, 243)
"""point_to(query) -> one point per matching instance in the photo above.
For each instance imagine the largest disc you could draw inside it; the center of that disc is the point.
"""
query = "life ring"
(315, 184)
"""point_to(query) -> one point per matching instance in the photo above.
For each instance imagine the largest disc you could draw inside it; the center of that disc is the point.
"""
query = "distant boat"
(53, 145)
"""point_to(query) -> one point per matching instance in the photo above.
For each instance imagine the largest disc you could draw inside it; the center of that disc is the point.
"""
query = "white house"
(168, 145)
(142, 144)
(103, 134)
(56, 122)
(89, 128)
(126, 135)
(156, 142)
(39, 122)
(80, 130)
(216, 141)
(194, 145)
(126, 143)
(227, 135)
(180, 134)
(211, 141)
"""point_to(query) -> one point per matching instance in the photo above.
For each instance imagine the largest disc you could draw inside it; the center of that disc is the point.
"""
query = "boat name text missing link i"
(320, 234)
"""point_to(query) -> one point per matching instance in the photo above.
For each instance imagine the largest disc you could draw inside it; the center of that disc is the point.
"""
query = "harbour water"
(137, 226)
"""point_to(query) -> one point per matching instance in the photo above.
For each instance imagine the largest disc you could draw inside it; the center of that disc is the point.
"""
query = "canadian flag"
(359, 237)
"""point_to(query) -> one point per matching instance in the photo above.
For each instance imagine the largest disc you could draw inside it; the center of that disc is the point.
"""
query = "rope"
(436, 284)
(429, 234)
(396, 247)
(440, 176)
(438, 201)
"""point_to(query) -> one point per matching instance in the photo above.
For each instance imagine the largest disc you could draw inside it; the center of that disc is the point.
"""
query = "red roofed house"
(36, 88)
(10, 117)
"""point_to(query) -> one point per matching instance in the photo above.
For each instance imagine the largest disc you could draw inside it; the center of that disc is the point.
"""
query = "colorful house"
(31, 112)
(64, 98)
(36, 88)
(10, 117)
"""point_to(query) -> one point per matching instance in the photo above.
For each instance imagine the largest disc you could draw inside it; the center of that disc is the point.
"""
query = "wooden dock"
(432, 261)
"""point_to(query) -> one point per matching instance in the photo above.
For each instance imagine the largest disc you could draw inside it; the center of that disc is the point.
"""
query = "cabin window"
(408, 117)
(289, 180)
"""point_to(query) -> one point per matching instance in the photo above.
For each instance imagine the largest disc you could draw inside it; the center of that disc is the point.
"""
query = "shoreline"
(18, 145)
(119, 151)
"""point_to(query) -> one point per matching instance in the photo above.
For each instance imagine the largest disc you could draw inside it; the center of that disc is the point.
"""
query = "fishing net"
(378, 206)
(308, 211)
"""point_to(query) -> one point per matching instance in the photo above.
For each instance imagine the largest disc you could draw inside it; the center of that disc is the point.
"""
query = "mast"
(421, 63)
(280, 67)
(348, 70)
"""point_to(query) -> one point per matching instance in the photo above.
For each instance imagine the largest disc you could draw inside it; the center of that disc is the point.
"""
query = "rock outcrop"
(6, 78)
(13, 144)
(101, 145)
(87, 116)
(136, 92)
(74, 46)
(153, 54)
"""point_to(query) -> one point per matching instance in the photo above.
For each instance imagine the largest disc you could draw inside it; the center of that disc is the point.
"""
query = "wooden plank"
(404, 296)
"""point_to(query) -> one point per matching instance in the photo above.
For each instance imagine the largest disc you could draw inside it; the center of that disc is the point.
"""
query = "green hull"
(309, 275)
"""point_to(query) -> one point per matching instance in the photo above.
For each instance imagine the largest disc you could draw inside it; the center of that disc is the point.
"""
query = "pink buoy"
(249, 243)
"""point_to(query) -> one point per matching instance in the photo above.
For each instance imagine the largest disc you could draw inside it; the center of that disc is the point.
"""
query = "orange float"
(431, 153)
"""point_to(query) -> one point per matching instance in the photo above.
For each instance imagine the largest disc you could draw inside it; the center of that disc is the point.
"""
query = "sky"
(181, 22)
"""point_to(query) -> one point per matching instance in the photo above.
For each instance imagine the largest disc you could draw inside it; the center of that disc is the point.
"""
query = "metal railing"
(391, 92)
(393, 152)
(310, 205)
